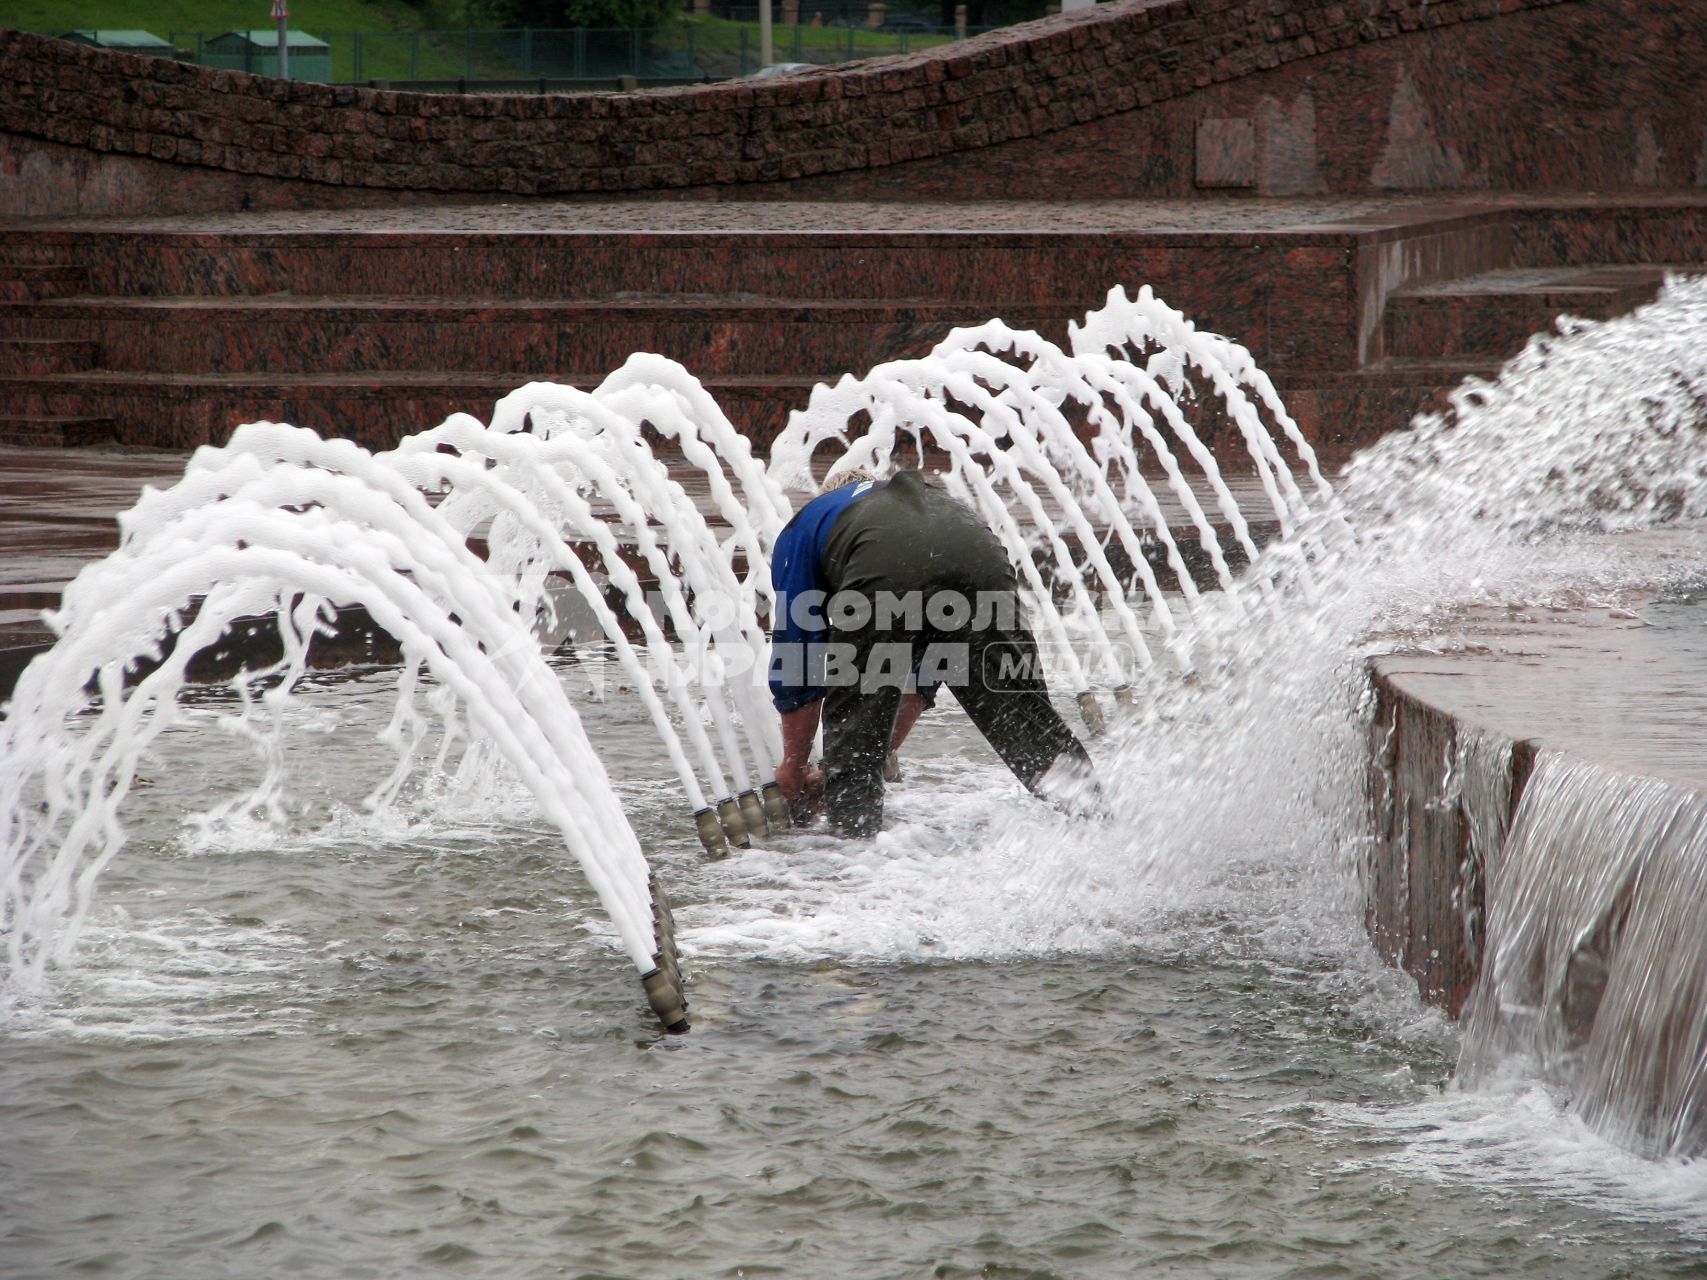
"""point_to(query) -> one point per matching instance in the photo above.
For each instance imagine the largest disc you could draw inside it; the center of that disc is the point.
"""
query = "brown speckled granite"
(288, 334)
(1423, 893)
(1226, 153)
(1599, 95)
(1594, 684)
(376, 409)
(374, 325)
(1495, 313)
(989, 269)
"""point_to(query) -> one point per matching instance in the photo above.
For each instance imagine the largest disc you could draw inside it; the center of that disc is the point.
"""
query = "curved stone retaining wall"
(1457, 737)
(1137, 97)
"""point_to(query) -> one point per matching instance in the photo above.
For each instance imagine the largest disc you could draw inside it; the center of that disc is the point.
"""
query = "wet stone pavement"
(57, 513)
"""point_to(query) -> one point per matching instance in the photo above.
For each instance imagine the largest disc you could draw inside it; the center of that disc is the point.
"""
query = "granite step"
(30, 281)
(1493, 314)
(1641, 229)
(992, 266)
(35, 248)
(287, 333)
(31, 432)
(393, 320)
(27, 356)
(1356, 407)
(376, 408)
(49, 431)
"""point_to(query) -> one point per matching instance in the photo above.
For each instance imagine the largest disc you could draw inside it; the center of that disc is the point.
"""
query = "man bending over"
(885, 590)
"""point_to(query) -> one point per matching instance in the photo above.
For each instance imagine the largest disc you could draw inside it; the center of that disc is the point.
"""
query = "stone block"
(1226, 153)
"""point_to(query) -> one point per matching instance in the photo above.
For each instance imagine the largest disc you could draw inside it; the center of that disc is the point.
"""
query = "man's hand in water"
(803, 788)
(802, 785)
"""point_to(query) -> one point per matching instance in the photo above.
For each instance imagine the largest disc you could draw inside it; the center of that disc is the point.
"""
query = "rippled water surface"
(993, 1042)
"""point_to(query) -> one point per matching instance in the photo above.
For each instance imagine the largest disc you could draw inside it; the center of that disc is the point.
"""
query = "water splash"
(534, 495)
(282, 525)
(1550, 484)
(1595, 429)
(1597, 965)
(1240, 787)
(1239, 796)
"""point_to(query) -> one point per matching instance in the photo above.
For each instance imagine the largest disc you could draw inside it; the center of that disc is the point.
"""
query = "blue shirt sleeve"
(797, 623)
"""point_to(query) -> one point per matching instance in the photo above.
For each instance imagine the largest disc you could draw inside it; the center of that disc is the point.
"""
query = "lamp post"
(283, 18)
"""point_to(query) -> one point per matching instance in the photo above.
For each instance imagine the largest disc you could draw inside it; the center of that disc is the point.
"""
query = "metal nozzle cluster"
(663, 982)
(735, 820)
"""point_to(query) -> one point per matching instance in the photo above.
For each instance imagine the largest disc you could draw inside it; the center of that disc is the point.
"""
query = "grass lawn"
(720, 33)
(395, 52)
(394, 46)
(163, 17)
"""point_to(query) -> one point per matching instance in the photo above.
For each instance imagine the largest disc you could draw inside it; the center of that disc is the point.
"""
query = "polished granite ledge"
(1390, 214)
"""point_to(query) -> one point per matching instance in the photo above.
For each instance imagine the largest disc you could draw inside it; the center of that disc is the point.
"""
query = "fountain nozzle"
(776, 805)
(710, 832)
(729, 814)
(665, 997)
(753, 813)
(663, 982)
(1092, 713)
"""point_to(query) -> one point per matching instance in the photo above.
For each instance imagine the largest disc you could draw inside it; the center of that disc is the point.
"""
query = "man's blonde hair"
(842, 479)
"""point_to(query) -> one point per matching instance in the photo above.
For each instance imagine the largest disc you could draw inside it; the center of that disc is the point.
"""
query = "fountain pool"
(363, 1048)
(334, 1039)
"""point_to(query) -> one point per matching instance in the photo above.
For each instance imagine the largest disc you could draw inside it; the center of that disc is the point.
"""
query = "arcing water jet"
(565, 492)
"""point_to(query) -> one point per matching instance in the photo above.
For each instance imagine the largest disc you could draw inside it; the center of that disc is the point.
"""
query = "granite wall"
(1437, 815)
(1131, 98)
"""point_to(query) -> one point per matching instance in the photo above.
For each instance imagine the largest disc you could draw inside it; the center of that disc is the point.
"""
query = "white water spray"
(1548, 485)
(1061, 454)
(566, 495)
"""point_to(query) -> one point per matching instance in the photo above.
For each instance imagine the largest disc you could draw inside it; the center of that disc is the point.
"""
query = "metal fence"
(475, 59)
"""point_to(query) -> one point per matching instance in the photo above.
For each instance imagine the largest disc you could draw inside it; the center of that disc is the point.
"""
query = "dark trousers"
(1003, 692)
